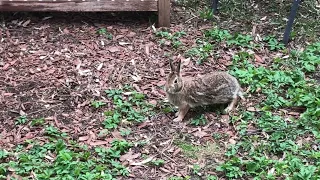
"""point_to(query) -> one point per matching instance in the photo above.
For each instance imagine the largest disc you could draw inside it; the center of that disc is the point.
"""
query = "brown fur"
(213, 88)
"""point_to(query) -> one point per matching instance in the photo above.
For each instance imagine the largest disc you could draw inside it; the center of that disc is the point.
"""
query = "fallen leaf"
(113, 49)
(26, 23)
(131, 34)
(66, 31)
(123, 43)
(147, 49)
(142, 162)
(200, 134)
(162, 72)
(185, 62)
(83, 138)
(98, 143)
(164, 170)
(258, 58)
(136, 78)
(154, 102)
(8, 94)
(264, 18)
(232, 141)
(129, 156)
(5, 67)
(252, 109)
(116, 134)
(144, 124)
(176, 152)
(294, 113)
(161, 83)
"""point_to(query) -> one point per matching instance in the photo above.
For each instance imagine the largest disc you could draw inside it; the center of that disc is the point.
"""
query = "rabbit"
(213, 88)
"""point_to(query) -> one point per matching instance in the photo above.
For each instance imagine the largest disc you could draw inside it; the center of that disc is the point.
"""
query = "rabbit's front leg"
(182, 112)
(231, 105)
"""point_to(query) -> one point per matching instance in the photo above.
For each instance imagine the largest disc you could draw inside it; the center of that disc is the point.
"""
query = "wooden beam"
(164, 13)
(95, 6)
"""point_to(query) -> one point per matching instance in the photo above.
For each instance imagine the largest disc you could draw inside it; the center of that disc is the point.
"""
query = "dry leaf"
(142, 162)
(26, 23)
(98, 143)
(129, 156)
(147, 49)
(161, 83)
(185, 62)
(232, 141)
(131, 34)
(83, 138)
(252, 109)
(162, 72)
(200, 134)
(154, 102)
(116, 134)
(113, 49)
(258, 58)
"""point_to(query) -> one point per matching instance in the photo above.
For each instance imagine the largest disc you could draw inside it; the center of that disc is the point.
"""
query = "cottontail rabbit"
(213, 88)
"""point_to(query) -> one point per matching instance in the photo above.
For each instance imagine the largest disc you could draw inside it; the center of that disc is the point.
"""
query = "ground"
(81, 94)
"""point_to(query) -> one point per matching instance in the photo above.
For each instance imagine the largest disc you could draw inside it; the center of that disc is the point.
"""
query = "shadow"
(84, 17)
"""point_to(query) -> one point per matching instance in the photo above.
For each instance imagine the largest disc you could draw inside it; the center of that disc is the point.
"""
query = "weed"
(273, 43)
(125, 132)
(37, 122)
(158, 162)
(201, 52)
(97, 104)
(104, 32)
(173, 38)
(206, 14)
(130, 107)
(21, 120)
(196, 169)
(199, 121)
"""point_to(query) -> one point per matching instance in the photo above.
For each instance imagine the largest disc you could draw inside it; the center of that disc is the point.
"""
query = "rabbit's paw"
(228, 110)
(178, 119)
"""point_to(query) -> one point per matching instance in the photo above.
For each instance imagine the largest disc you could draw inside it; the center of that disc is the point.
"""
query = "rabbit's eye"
(175, 81)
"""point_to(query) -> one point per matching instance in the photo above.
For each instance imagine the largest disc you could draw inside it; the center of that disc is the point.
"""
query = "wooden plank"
(164, 13)
(95, 6)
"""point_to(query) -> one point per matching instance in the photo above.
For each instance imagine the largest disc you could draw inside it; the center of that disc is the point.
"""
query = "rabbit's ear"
(179, 67)
(171, 65)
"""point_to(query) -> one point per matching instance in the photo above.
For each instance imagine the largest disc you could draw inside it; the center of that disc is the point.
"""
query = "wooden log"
(164, 13)
(83, 5)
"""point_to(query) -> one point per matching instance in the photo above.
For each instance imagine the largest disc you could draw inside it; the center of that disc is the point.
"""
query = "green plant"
(196, 169)
(273, 43)
(172, 37)
(53, 132)
(37, 122)
(158, 162)
(125, 132)
(201, 52)
(21, 120)
(199, 121)
(206, 14)
(129, 107)
(104, 32)
(97, 104)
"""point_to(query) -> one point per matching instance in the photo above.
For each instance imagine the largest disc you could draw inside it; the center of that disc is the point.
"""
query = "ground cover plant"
(81, 95)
